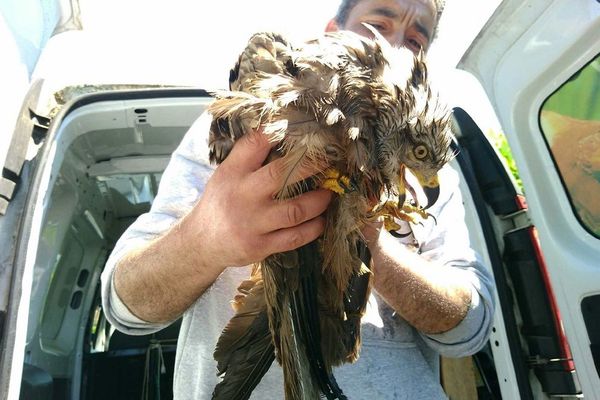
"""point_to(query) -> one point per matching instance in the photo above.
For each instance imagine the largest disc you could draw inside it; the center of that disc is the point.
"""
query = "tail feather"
(356, 297)
(305, 312)
(281, 274)
(341, 313)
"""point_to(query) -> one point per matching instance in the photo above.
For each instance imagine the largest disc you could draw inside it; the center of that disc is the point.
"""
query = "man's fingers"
(292, 238)
(280, 173)
(249, 152)
(289, 213)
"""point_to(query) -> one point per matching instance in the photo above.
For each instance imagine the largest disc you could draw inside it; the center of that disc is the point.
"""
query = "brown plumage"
(249, 332)
(362, 112)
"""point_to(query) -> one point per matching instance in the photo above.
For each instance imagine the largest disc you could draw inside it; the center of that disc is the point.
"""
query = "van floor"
(134, 367)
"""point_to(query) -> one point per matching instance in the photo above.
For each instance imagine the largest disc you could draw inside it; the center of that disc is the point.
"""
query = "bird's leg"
(336, 182)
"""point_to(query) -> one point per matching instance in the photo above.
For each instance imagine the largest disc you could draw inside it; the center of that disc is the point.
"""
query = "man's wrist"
(192, 247)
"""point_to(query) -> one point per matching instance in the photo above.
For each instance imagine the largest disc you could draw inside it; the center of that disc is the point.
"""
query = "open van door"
(539, 63)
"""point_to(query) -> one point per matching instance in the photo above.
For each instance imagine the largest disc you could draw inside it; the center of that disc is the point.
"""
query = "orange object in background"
(575, 145)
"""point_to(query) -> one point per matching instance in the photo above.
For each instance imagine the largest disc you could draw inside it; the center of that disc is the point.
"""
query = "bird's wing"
(265, 53)
(244, 351)
(246, 105)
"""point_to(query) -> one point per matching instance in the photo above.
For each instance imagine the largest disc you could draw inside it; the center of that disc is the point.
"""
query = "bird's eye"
(420, 152)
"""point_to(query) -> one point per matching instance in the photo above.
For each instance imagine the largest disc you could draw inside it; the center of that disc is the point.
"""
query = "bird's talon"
(399, 235)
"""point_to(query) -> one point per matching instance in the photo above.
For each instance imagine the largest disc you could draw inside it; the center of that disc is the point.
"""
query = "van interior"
(109, 156)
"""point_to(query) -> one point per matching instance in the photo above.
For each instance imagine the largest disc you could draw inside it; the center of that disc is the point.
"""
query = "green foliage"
(498, 140)
(578, 97)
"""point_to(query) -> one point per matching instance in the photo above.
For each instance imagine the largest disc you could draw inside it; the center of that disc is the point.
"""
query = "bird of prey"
(364, 114)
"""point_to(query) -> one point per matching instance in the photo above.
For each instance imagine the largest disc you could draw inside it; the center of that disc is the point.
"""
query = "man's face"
(408, 23)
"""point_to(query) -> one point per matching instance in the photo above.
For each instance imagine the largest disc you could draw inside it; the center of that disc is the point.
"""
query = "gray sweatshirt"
(396, 360)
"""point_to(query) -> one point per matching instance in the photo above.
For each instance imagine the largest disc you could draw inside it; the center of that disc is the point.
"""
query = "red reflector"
(560, 332)
(521, 202)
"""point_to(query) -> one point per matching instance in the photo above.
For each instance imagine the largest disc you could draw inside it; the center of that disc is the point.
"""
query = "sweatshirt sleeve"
(447, 241)
(182, 183)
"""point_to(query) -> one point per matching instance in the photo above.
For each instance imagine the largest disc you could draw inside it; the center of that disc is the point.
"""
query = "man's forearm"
(160, 281)
(430, 297)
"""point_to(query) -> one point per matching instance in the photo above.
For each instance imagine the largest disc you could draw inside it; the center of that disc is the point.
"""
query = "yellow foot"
(413, 212)
(336, 182)
(389, 224)
(390, 210)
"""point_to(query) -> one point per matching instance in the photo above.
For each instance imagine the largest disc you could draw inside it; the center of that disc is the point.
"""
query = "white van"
(85, 161)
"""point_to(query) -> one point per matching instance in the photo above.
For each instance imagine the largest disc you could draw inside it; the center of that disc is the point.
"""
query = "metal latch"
(537, 360)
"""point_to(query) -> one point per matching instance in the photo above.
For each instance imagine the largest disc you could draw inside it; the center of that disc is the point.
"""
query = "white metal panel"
(529, 49)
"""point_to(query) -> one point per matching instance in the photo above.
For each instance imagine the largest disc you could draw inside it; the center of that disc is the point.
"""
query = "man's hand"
(236, 222)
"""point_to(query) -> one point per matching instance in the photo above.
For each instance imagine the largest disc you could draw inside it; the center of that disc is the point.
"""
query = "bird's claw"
(390, 224)
(336, 182)
(408, 212)
(411, 213)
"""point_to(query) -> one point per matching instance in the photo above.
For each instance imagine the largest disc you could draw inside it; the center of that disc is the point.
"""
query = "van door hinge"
(30, 126)
(7, 188)
(40, 127)
(519, 220)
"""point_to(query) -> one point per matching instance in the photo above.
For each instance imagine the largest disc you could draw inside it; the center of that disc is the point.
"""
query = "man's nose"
(397, 39)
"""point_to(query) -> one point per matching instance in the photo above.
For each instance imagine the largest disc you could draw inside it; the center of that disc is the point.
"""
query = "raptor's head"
(424, 147)
(413, 126)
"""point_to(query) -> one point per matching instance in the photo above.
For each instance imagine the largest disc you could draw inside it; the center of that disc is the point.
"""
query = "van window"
(136, 189)
(570, 121)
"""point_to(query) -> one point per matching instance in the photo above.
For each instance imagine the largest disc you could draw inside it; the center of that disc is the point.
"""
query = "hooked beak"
(432, 194)
(431, 188)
